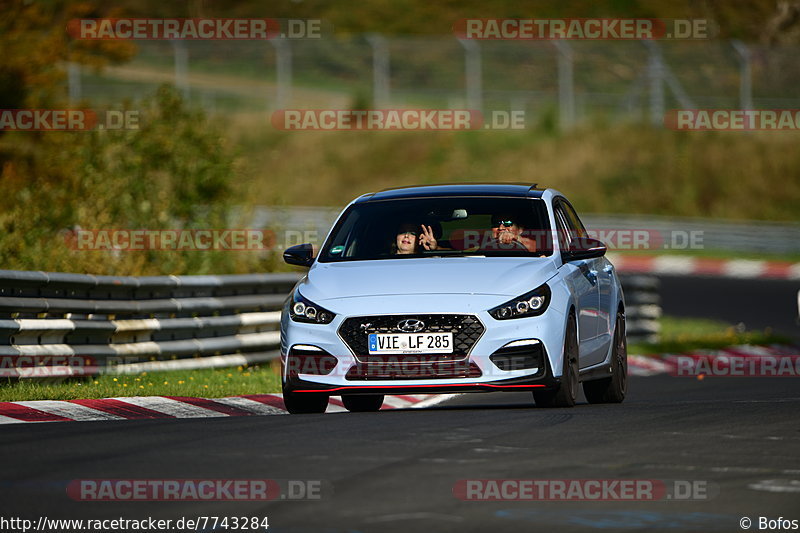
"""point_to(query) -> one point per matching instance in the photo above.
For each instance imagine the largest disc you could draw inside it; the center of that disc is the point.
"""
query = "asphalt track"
(395, 470)
(756, 303)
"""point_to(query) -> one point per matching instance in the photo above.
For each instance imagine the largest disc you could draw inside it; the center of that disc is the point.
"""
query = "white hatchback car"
(454, 288)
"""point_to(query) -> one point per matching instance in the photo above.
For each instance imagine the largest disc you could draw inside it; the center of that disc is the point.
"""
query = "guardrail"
(57, 324)
(642, 308)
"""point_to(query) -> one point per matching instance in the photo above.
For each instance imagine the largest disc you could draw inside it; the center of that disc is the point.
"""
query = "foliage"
(622, 168)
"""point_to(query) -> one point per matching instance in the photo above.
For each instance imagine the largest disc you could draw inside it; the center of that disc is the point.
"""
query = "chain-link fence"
(564, 81)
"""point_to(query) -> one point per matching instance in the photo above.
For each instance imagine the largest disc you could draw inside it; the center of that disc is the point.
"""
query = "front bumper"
(477, 371)
(542, 380)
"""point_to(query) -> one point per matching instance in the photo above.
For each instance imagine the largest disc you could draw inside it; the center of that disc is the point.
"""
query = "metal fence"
(642, 308)
(57, 324)
(571, 81)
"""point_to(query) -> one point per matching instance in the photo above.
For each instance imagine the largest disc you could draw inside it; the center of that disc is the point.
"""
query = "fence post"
(380, 70)
(655, 77)
(473, 71)
(745, 75)
(283, 66)
(181, 67)
(74, 81)
(566, 86)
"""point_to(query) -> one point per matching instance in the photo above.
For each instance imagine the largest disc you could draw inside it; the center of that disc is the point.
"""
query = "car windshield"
(397, 229)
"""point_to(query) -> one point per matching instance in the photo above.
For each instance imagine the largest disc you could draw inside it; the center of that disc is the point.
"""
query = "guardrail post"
(642, 308)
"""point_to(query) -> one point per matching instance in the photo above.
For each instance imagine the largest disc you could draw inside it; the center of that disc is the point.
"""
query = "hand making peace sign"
(426, 238)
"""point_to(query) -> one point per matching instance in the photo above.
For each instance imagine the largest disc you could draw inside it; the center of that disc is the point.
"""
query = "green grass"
(680, 335)
(205, 383)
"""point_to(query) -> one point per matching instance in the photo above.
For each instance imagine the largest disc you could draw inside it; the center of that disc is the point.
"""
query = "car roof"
(510, 190)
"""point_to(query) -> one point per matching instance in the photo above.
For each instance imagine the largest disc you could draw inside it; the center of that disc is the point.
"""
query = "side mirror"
(300, 255)
(583, 248)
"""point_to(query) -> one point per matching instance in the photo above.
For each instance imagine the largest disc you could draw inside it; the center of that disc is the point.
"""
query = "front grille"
(466, 329)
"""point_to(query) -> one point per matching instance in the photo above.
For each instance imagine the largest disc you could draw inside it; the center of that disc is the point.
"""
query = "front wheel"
(567, 392)
(613, 389)
(366, 403)
(305, 402)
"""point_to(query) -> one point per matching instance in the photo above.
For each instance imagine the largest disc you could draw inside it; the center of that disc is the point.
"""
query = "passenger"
(508, 231)
(413, 238)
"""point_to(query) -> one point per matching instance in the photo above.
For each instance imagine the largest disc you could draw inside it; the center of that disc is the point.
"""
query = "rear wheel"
(613, 389)
(363, 403)
(567, 391)
(305, 402)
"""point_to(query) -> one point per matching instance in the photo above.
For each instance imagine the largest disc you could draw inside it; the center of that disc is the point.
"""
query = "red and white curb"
(150, 407)
(703, 266)
(651, 365)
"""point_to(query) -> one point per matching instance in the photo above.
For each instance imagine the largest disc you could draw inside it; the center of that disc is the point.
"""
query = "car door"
(582, 283)
(608, 311)
(602, 271)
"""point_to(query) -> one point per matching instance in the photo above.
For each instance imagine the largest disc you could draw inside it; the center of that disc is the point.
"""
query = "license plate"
(410, 343)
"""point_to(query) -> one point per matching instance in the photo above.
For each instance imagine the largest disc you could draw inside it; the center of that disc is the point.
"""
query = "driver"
(507, 230)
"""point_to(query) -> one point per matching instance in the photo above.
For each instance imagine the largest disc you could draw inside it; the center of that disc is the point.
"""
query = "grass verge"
(680, 335)
(205, 383)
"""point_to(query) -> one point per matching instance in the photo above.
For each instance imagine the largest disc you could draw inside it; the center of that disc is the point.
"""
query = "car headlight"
(529, 304)
(303, 310)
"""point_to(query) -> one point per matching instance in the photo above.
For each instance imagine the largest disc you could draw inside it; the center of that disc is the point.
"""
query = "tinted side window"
(573, 222)
(562, 228)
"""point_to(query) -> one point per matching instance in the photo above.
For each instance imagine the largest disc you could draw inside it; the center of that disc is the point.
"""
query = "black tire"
(305, 402)
(613, 389)
(567, 392)
(366, 403)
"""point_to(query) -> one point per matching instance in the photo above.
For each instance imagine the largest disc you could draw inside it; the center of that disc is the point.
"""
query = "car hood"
(501, 276)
